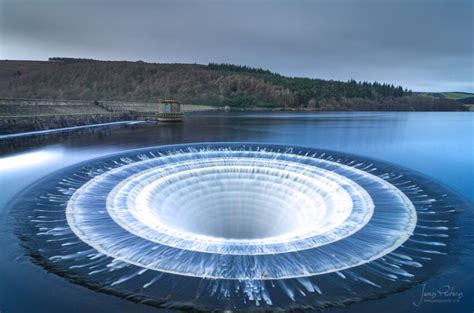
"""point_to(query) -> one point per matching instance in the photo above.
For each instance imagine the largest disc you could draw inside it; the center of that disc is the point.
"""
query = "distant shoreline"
(21, 115)
(45, 130)
(215, 84)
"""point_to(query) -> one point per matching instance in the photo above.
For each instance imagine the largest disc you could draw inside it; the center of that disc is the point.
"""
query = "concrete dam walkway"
(21, 115)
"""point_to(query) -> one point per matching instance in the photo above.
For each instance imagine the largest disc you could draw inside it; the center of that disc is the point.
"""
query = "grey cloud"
(421, 44)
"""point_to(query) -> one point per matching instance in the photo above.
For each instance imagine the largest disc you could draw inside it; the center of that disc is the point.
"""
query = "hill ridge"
(213, 84)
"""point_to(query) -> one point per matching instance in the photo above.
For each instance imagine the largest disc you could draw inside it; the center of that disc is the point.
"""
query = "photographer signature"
(444, 294)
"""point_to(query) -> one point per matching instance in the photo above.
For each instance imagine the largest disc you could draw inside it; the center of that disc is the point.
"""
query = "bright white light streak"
(29, 159)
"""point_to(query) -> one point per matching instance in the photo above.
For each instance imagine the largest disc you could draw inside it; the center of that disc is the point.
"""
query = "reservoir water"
(437, 145)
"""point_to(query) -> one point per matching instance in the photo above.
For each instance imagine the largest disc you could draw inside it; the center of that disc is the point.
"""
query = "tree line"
(213, 84)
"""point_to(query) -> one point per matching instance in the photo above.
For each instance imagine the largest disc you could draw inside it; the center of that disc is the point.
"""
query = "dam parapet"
(19, 115)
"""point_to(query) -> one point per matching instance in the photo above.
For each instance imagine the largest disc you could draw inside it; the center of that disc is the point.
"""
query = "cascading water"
(239, 226)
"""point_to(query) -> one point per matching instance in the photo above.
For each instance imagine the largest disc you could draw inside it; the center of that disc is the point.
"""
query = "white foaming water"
(258, 214)
(236, 225)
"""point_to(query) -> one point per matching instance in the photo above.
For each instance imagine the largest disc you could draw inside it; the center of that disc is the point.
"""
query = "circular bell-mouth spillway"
(239, 226)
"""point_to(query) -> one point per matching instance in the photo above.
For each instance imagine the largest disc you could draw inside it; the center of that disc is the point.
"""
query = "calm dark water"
(439, 145)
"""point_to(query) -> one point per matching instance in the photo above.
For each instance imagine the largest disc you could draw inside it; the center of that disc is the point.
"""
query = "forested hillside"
(213, 84)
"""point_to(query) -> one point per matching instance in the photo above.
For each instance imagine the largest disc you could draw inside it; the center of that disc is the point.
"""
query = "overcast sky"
(425, 45)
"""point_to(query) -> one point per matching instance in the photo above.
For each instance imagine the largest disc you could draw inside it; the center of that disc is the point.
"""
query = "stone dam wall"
(20, 115)
(18, 124)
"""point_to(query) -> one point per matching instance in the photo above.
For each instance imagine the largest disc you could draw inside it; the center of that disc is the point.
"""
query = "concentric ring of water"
(253, 211)
(291, 204)
(237, 226)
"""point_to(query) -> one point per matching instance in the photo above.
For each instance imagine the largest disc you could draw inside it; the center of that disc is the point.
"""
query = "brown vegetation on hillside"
(213, 84)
